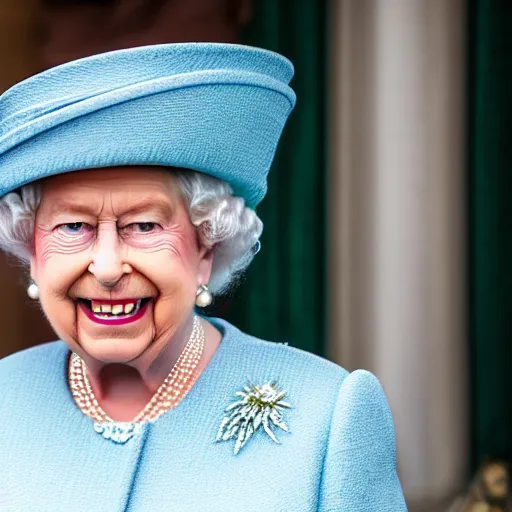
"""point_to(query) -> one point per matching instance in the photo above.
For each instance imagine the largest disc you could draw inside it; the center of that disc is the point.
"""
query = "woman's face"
(111, 237)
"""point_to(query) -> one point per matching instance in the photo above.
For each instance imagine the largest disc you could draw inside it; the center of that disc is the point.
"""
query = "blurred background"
(388, 222)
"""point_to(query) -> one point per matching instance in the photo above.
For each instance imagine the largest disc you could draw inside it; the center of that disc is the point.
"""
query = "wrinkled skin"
(92, 241)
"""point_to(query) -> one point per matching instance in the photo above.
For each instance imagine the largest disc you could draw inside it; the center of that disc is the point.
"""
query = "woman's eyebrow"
(67, 206)
(161, 206)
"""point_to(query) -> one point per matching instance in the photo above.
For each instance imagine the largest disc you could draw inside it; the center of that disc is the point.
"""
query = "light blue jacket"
(338, 456)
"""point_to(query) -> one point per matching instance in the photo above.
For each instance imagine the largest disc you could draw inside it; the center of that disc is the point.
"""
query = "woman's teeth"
(115, 309)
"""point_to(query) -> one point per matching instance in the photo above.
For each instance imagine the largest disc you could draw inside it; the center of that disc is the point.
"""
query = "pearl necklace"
(172, 390)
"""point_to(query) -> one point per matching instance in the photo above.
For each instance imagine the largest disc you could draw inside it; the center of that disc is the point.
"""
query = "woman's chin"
(114, 350)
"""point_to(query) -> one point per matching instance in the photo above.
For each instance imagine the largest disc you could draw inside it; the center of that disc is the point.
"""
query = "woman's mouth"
(114, 312)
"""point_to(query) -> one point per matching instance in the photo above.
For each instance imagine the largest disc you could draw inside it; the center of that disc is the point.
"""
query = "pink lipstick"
(122, 319)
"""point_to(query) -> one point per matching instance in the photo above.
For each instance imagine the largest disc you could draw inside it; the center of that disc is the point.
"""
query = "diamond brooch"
(259, 406)
(118, 432)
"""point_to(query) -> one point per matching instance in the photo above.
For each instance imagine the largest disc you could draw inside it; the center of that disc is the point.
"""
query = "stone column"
(397, 196)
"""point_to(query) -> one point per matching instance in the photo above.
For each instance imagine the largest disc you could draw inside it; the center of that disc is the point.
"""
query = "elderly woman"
(129, 182)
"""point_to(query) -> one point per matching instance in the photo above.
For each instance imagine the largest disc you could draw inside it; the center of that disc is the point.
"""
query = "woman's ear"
(33, 269)
(204, 270)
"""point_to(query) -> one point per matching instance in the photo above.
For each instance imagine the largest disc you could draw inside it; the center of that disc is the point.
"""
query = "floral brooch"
(260, 406)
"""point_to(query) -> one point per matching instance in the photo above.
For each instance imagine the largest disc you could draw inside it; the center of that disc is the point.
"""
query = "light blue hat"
(215, 108)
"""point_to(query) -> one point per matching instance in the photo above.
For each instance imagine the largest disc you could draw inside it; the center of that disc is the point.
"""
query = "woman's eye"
(143, 227)
(72, 227)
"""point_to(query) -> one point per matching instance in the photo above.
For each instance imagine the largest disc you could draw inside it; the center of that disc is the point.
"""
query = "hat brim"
(222, 122)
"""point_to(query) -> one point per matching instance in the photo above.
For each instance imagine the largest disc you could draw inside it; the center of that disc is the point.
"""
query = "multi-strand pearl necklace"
(172, 390)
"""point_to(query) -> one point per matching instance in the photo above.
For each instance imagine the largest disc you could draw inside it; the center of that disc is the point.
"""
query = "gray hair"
(224, 224)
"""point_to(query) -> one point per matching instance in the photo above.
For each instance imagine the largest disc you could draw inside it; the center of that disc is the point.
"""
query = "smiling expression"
(107, 238)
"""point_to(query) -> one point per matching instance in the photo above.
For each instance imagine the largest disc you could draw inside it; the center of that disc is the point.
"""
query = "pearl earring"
(203, 296)
(33, 291)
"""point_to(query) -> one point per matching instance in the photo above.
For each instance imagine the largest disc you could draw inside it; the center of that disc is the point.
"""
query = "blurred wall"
(18, 19)
(77, 28)
(23, 323)
(491, 227)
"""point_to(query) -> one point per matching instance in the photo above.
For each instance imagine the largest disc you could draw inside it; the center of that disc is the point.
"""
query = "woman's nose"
(107, 265)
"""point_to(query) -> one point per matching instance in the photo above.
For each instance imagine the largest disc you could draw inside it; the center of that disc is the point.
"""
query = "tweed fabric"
(338, 456)
(212, 107)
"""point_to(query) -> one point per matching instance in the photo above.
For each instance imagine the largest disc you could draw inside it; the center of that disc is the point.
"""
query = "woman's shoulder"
(38, 358)
(288, 365)
(298, 369)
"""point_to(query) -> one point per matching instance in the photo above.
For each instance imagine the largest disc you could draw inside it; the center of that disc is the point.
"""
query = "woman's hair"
(224, 224)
